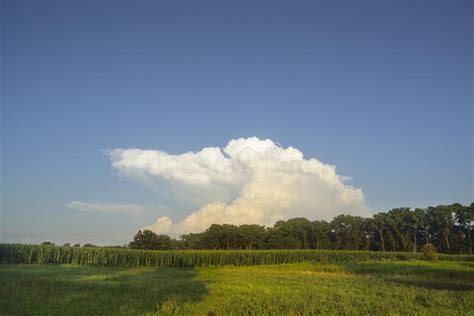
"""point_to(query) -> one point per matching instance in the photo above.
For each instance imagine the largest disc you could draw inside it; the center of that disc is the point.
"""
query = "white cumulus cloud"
(249, 181)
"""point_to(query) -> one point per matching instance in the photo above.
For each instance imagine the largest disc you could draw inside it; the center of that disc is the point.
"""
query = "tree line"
(448, 227)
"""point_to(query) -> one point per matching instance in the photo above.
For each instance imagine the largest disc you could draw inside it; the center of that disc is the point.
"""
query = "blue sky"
(381, 89)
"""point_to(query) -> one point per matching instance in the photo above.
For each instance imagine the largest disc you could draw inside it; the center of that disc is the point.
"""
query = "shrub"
(429, 252)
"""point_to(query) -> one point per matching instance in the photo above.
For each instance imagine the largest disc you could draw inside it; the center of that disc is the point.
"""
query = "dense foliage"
(448, 227)
(40, 254)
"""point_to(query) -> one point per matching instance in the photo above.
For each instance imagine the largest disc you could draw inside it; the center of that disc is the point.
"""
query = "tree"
(380, 226)
(442, 222)
(229, 236)
(347, 231)
(464, 216)
(448, 227)
(47, 243)
(299, 228)
(400, 221)
(320, 234)
(191, 241)
(217, 237)
(425, 224)
(368, 231)
(417, 223)
(251, 235)
(149, 240)
(275, 239)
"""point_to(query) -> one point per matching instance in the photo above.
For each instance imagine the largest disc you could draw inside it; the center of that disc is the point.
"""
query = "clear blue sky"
(382, 89)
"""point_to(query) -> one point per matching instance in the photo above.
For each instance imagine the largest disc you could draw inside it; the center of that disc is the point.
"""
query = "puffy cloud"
(248, 181)
(110, 207)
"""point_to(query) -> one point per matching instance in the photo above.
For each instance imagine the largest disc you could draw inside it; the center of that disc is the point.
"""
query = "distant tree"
(448, 228)
(191, 241)
(149, 240)
(400, 221)
(77, 245)
(250, 235)
(442, 223)
(230, 237)
(47, 243)
(89, 246)
(379, 224)
(299, 228)
(347, 231)
(368, 232)
(417, 224)
(275, 239)
(464, 216)
(320, 234)
(214, 237)
(67, 245)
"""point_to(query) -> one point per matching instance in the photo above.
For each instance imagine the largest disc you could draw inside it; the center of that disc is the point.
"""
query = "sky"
(105, 103)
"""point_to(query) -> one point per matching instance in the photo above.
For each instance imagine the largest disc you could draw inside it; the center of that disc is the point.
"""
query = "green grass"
(371, 287)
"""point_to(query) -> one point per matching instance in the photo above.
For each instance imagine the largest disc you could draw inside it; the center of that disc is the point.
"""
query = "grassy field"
(371, 287)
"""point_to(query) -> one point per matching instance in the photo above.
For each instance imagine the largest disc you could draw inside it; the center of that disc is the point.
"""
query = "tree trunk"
(404, 243)
(367, 244)
(414, 242)
(446, 239)
(381, 240)
(469, 238)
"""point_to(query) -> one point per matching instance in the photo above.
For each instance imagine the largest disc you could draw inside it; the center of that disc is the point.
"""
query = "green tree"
(149, 240)
(464, 216)
(320, 234)
(299, 228)
(442, 222)
(276, 239)
(348, 231)
(379, 224)
(368, 232)
(191, 241)
(250, 235)
(400, 221)
(218, 236)
(417, 224)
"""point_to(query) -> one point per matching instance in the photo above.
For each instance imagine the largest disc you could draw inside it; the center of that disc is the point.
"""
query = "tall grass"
(19, 253)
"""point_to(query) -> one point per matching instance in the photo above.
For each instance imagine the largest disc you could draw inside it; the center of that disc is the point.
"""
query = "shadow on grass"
(96, 290)
(430, 276)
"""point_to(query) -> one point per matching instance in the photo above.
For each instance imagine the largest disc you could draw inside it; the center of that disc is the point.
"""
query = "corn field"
(36, 254)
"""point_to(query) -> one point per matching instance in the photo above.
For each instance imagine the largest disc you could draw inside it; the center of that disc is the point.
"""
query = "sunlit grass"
(372, 287)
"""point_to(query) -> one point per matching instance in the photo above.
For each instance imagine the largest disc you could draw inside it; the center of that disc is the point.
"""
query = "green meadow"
(367, 287)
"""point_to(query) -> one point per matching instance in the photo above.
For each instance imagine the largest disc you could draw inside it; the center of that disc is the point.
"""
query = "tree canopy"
(448, 227)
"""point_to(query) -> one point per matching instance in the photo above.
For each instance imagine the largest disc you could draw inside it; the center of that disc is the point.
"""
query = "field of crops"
(71, 280)
(366, 287)
(35, 254)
